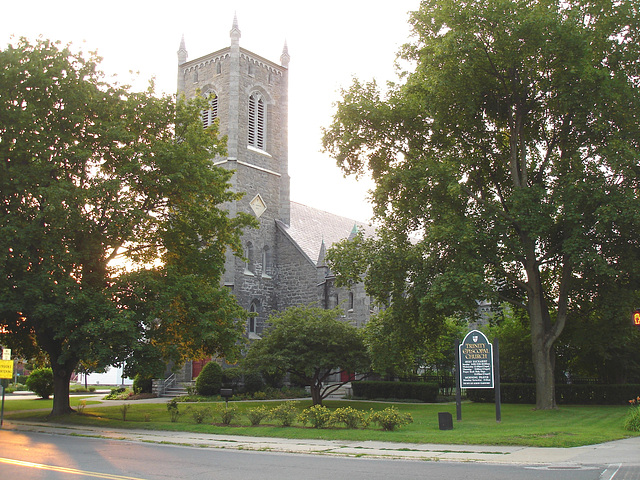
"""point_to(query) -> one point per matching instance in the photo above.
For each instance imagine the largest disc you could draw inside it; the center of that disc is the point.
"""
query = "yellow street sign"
(6, 368)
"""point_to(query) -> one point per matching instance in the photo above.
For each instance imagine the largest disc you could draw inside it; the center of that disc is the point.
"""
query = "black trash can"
(445, 420)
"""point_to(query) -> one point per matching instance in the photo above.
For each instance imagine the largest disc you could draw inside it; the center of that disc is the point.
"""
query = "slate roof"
(311, 227)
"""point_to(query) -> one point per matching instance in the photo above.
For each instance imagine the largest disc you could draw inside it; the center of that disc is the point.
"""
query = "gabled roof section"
(311, 228)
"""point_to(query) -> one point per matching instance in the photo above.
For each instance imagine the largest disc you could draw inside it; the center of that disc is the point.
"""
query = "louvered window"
(256, 121)
(209, 115)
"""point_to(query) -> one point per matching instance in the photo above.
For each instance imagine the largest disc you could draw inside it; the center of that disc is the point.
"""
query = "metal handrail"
(168, 383)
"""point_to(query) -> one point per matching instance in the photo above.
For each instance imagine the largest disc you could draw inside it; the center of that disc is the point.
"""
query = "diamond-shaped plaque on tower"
(257, 205)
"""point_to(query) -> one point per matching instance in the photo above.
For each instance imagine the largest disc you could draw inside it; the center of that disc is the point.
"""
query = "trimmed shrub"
(231, 377)
(226, 413)
(174, 411)
(199, 414)
(317, 415)
(423, 391)
(285, 413)
(40, 382)
(390, 418)
(595, 394)
(257, 414)
(209, 381)
(525, 393)
(118, 393)
(351, 417)
(253, 382)
(142, 384)
(521, 393)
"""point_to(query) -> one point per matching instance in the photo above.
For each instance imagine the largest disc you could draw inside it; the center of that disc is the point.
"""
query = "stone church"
(285, 266)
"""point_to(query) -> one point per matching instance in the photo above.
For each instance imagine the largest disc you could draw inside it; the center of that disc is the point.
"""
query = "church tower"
(248, 95)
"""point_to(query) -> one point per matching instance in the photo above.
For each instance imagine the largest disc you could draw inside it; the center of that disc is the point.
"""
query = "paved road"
(619, 460)
(31, 456)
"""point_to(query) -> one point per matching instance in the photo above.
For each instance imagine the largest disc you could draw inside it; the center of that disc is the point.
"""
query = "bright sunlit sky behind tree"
(330, 42)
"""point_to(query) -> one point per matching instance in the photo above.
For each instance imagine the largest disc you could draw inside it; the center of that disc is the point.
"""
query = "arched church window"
(335, 301)
(266, 262)
(350, 300)
(257, 127)
(249, 261)
(211, 113)
(254, 310)
(218, 68)
(195, 75)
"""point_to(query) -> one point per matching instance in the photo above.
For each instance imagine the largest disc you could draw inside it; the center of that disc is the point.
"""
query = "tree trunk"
(544, 367)
(542, 347)
(316, 392)
(61, 378)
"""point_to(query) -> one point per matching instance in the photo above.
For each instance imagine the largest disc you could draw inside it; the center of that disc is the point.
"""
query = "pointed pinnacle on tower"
(321, 256)
(285, 58)
(182, 52)
(235, 30)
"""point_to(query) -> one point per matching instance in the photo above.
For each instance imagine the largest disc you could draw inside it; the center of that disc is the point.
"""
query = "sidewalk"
(625, 452)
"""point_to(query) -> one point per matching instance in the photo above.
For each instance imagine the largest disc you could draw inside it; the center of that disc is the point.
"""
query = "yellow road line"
(73, 471)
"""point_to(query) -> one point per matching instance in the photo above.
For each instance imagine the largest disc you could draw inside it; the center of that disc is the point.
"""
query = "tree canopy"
(310, 344)
(112, 234)
(506, 161)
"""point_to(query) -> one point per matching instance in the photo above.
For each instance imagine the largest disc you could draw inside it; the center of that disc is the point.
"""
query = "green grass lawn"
(40, 404)
(569, 426)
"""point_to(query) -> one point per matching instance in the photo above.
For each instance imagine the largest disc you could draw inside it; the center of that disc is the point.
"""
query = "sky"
(330, 43)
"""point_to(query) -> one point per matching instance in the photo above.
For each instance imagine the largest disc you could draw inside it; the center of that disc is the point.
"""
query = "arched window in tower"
(257, 116)
(249, 262)
(266, 262)
(210, 114)
(254, 310)
(351, 301)
(335, 300)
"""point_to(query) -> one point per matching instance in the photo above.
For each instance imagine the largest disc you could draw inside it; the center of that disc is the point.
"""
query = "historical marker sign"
(476, 361)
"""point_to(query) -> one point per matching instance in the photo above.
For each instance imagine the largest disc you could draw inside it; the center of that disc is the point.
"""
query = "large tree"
(510, 152)
(111, 232)
(310, 344)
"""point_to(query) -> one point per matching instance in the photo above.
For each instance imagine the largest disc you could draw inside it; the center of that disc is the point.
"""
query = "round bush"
(253, 382)
(231, 377)
(40, 382)
(142, 384)
(210, 380)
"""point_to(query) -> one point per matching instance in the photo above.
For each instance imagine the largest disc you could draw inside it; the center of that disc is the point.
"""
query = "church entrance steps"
(343, 391)
(178, 389)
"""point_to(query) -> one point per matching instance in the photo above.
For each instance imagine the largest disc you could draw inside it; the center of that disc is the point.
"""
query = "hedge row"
(565, 394)
(423, 391)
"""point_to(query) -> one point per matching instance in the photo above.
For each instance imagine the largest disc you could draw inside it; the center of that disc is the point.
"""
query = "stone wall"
(297, 276)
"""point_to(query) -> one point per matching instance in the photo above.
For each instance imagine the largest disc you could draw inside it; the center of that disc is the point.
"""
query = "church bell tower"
(248, 96)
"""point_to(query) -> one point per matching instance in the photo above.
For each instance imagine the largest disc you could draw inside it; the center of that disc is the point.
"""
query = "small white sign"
(6, 354)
